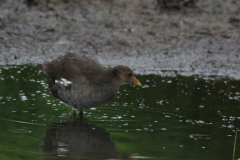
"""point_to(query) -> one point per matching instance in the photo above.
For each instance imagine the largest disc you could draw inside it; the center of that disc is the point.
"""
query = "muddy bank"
(201, 40)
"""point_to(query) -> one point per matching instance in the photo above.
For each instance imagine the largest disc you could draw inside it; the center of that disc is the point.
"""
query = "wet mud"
(203, 39)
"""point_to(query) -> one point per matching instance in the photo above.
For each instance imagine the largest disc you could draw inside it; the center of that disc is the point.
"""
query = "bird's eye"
(129, 74)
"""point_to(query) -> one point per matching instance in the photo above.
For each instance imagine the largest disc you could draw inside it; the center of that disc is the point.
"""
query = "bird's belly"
(87, 97)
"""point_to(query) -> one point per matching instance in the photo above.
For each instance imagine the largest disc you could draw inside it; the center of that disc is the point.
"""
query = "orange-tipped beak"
(135, 81)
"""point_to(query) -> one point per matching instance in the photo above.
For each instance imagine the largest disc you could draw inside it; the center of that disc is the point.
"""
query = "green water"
(169, 118)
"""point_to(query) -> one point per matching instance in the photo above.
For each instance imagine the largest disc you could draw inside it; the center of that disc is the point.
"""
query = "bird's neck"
(108, 77)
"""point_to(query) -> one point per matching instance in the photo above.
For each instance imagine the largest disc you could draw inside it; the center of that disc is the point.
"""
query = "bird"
(81, 82)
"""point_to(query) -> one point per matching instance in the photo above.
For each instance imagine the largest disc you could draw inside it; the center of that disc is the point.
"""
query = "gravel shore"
(203, 40)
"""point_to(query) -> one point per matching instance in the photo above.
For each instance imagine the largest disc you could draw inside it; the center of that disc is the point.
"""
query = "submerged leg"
(73, 113)
(81, 114)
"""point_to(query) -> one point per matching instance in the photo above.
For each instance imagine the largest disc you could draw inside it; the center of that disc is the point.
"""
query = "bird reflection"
(79, 140)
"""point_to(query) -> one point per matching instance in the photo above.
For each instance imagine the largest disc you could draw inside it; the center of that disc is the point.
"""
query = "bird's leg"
(73, 113)
(81, 114)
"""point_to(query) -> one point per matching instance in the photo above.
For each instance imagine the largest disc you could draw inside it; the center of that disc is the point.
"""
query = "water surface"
(170, 117)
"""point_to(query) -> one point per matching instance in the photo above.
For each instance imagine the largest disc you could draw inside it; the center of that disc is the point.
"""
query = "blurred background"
(189, 35)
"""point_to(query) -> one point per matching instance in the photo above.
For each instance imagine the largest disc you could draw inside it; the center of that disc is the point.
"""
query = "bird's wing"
(72, 79)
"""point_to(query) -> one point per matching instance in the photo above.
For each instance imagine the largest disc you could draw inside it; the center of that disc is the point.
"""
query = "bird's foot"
(81, 114)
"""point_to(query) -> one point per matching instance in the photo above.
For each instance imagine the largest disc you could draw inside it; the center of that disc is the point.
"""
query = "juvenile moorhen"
(81, 82)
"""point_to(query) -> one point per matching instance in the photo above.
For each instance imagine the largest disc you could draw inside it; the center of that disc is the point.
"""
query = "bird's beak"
(135, 81)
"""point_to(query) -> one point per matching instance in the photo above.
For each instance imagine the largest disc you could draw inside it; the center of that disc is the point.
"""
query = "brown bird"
(81, 82)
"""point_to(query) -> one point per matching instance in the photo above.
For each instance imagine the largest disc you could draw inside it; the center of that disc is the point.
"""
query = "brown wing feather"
(72, 66)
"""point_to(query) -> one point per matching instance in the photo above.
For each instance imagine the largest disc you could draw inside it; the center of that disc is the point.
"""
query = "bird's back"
(72, 66)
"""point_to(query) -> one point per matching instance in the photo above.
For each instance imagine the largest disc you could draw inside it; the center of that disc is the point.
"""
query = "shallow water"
(168, 118)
